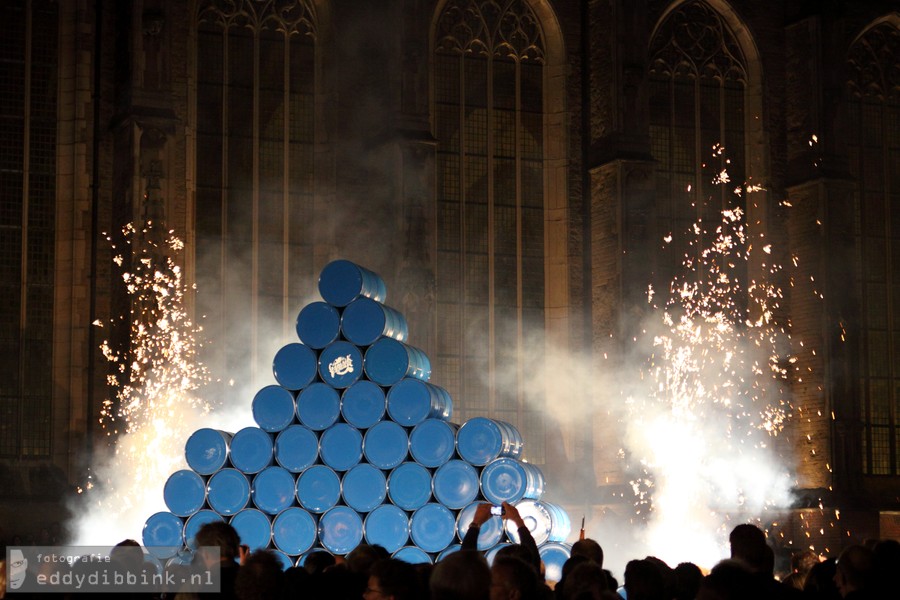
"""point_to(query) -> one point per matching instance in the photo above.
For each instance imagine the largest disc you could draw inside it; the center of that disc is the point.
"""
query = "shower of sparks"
(701, 439)
(155, 379)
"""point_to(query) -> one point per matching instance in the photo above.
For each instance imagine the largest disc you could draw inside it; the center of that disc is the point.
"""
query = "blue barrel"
(387, 526)
(341, 282)
(433, 442)
(195, 522)
(455, 484)
(340, 446)
(448, 551)
(481, 440)
(294, 531)
(410, 401)
(295, 366)
(545, 521)
(340, 364)
(365, 320)
(228, 492)
(510, 480)
(296, 448)
(253, 527)
(251, 450)
(206, 451)
(284, 559)
(163, 535)
(184, 493)
(318, 324)
(386, 445)
(412, 555)
(432, 527)
(340, 530)
(273, 489)
(363, 404)
(273, 408)
(318, 406)
(409, 486)
(318, 488)
(554, 555)
(388, 361)
(491, 531)
(363, 488)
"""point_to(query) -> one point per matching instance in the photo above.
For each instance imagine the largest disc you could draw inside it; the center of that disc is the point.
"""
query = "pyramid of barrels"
(353, 445)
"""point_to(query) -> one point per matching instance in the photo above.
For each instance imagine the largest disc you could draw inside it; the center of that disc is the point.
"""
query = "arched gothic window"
(698, 77)
(28, 121)
(874, 153)
(488, 120)
(254, 172)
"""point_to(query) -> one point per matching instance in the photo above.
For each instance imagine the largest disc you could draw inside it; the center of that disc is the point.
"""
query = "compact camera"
(498, 511)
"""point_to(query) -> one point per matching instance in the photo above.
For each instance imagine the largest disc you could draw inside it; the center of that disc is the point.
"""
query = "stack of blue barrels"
(354, 445)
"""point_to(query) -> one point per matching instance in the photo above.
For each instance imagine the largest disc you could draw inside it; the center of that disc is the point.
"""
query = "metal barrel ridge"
(318, 324)
(481, 440)
(273, 408)
(252, 450)
(207, 450)
(294, 366)
(410, 401)
(341, 282)
(364, 320)
(387, 361)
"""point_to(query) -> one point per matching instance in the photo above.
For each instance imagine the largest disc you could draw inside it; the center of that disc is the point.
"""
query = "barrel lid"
(251, 450)
(432, 527)
(340, 364)
(409, 486)
(455, 484)
(503, 480)
(479, 441)
(294, 531)
(412, 555)
(318, 406)
(163, 534)
(340, 446)
(363, 404)
(432, 442)
(318, 324)
(296, 448)
(387, 526)
(253, 527)
(318, 488)
(273, 490)
(363, 321)
(195, 522)
(184, 493)
(386, 445)
(273, 408)
(363, 487)
(228, 491)
(206, 450)
(340, 529)
(490, 533)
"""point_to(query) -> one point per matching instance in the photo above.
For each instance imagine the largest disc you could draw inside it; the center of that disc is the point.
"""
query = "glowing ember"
(155, 408)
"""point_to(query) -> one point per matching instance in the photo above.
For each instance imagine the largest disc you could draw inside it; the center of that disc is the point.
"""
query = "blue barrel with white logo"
(318, 324)
(184, 493)
(387, 526)
(340, 446)
(481, 440)
(273, 408)
(273, 490)
(341, 282)
(410, 401)
(490, 533)
(206, 451)
(340, 364)
(318, 406)
(254, 527)
(228, 492)
(295, 366)
(547, 522)
(412, 555)
(388, 361)
(363, 487)
(340, 530)
(251, 450)
(163, 534)
(510, 480)
(294, 531)
(448, 551)
(386, 445)
(433, 442)
(432, 527)
(554, 555)
(318, 488)
(363, 404)
(455, 484)
(296, 448)
(195, 522)
(409, 486)
(364, 321)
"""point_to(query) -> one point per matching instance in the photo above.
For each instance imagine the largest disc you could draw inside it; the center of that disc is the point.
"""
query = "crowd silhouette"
(859, 572)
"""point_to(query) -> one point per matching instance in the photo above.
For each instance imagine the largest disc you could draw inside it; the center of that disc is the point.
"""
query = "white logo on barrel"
(341, 366)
